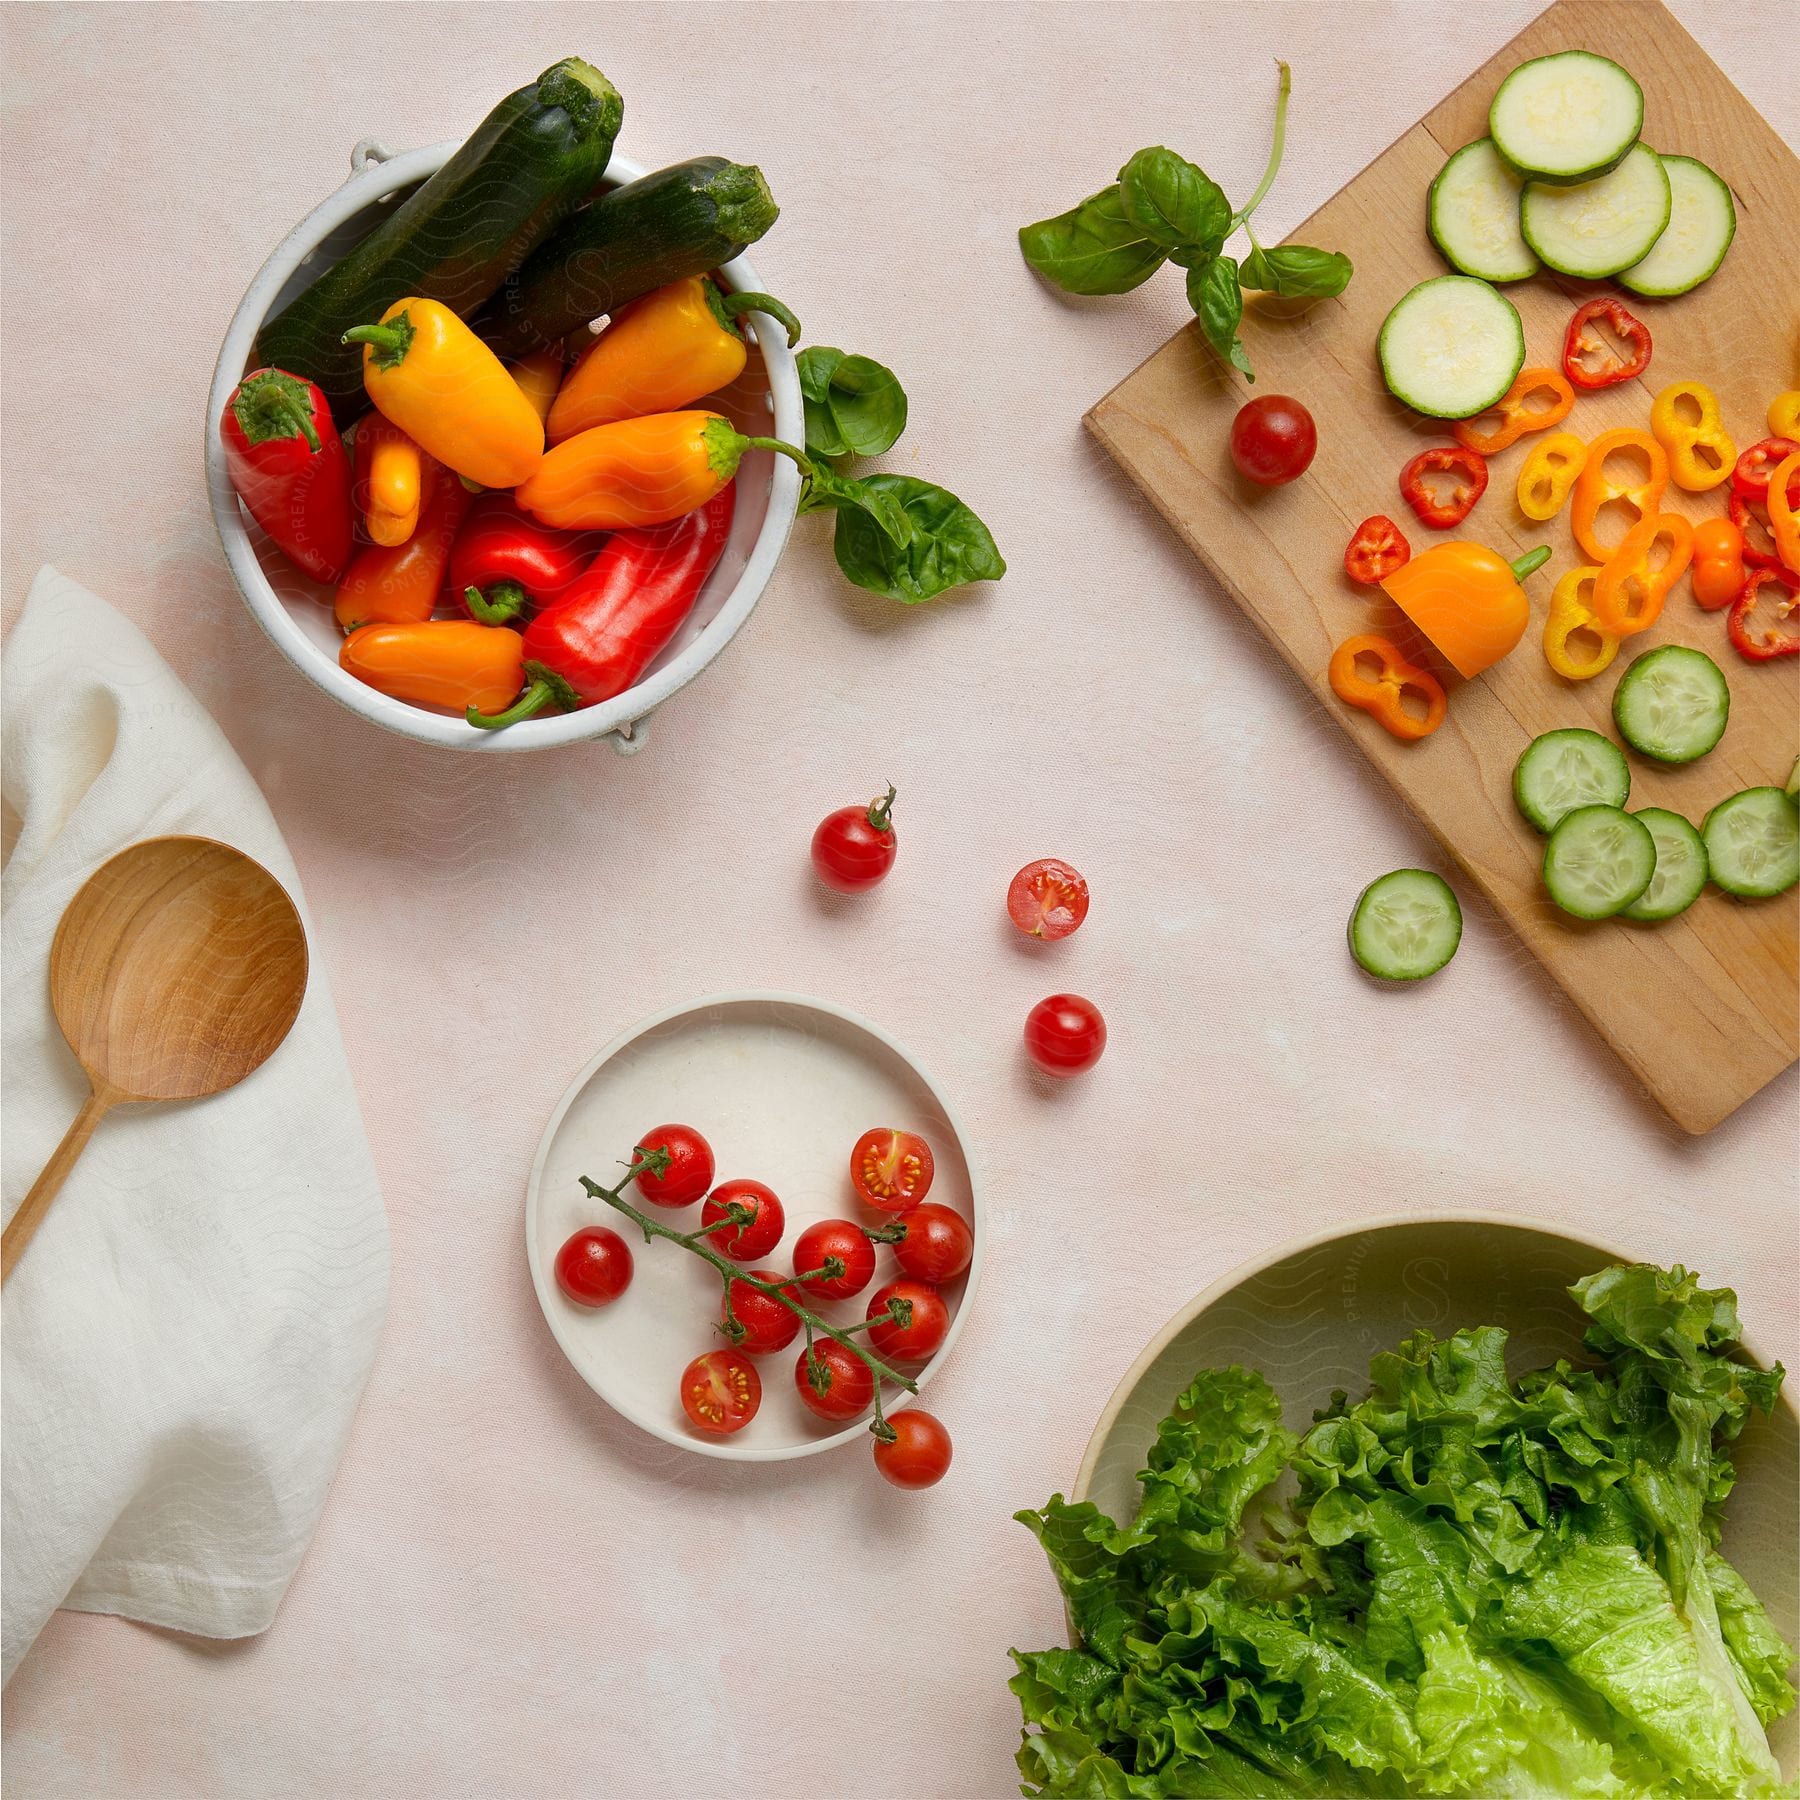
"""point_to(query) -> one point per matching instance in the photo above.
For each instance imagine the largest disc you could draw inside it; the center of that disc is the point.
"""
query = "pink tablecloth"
(513, 1591)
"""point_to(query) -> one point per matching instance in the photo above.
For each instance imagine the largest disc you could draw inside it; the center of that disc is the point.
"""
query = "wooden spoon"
(176, 970)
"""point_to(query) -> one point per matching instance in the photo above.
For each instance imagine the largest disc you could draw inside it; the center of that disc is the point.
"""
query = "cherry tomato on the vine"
(768, 1325)
(937, 1245)
(848, 1384)
(594, 1267)
(690, 1169)
(891, 1169)
(1065, 1034)
(1272, 440)
(916, 1341)
(853, 847)
(721, 1391)
(849, 1244)
(1047, 899)
(744, 1243)
(919, 1456)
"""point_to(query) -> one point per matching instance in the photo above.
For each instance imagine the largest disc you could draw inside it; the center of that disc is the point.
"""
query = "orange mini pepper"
(1784, 414)
(661, 353)
(399, 582)
(1701, 453)
(1596, 486)
(390, 480)
(639, 471)
(1548, 474)
(1467, 601)
(1717, 570)
(1784, 523)
(1381, 691)
(452, 663)
(539, 376)
(1629, 594)
(433, 377)
(1516, 417)
(1572, 612)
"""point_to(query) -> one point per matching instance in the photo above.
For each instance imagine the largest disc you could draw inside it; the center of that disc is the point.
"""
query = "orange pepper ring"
(1784, 523)
(1628, 568)
(1595, 488)
(1383, 696)
(1516, 418)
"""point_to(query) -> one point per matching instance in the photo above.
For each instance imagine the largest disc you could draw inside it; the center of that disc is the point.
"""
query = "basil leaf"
(816, 364)
(1093, 248)
(1297, 271)
(860, 499)
(1213, 294)
(1174, 202)
(949, 546)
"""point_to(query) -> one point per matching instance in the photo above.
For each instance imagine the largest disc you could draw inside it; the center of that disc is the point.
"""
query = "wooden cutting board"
(1705, 1008)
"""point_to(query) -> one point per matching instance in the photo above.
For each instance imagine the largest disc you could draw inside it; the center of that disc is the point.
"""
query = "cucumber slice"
(1451, 347)
(1406, 925)
(1702, 223)
(1672, 704)
(1598, 227)
(1680, 866)
(1598, 861)
(1567, 117)
(1753, 843)
(1563, 770)
(1472, 213)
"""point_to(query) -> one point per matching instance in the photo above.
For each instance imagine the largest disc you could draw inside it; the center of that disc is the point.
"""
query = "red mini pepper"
(608, 628)
(288, 465)
(504, 561)
(1750, 476)
(1766, 641)
(1580, 342)
(1444, 459)
(1376, 550)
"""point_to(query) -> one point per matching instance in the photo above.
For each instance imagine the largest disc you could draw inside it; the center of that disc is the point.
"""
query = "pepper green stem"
(1276, 148)
(725, 447)
(1530, 562)
(726, 308)
(502, 603)
(274, 404)
(881, 811)
(547, 689)
(390, 342)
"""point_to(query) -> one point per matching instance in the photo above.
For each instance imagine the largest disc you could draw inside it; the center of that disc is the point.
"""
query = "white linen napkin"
(186, 1337)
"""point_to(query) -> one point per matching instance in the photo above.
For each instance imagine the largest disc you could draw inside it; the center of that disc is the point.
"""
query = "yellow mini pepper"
(433, 377)
(1700, 449)
(1467, 601)
(1548, 474)
(660, 354)
(539, 376)
(390, 480)
(1571, 612)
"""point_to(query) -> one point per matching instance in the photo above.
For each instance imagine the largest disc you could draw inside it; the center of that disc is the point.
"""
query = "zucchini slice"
(1405, 925)
(1680, 867)
(1472, 213)
(1672, 704)
(1753, 843)
(1451, 347)
(1702, 223)
(1598, 861)
(1567, 117)
(1599, 227)
(1563, 770)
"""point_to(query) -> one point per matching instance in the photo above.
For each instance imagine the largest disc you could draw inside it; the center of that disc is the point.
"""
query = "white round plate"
(781, 1087)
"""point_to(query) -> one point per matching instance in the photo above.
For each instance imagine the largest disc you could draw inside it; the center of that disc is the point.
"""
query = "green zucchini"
(533, 159)
(663, 227)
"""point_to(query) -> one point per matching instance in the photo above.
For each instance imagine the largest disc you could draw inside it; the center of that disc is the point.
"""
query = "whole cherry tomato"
(919, 1456)
(1272, 440)
(743, 1243)
(916, 1341)
(937, 1245)
(891, 1169)
(594, 1267)
(721, 1391)
(848, 1385)
(849, 1244)
(690, 1169)
(1047, 899)
(1065, 1034)
(854, 846)
(768, 1325)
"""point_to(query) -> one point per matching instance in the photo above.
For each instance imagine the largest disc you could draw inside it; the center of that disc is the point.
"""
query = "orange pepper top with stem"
(661, 353)
(1467, 601)
(1597, 485)
(433, 377)
(640, 471)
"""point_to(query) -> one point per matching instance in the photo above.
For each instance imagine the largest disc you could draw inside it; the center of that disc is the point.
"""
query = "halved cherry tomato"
(849, 1243)
(919, 1456)
(853, 847)
(1717, 570)
(1047, 899)
(1065, 1034)
(1765, 639)
(1444, 459)
(833, 1382)
(768, 1325)
(938, 1243)
(1376, 549)
(743, 1243)
(1750, 475)
(594, 1267)
(891, 1169)
(720, 1392)
(918, 1339)
(690, 1169)
(1273, 439)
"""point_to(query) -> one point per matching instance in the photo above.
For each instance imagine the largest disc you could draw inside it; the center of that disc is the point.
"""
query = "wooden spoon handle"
(22, 1226)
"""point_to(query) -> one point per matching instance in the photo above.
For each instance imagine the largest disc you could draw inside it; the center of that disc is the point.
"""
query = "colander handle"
(370, 150)
(629, 739)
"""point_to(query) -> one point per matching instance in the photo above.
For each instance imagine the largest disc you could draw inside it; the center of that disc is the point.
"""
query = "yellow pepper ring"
(1701, 452)
(1571, 613)
(1548, 474)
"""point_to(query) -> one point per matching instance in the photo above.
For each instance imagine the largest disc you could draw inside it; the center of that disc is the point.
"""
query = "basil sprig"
(1164, 208)
(896, 535)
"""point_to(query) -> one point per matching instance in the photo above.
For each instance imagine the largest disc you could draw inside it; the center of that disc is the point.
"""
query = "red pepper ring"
(1750, 476)
(1376, 549)
(1444, 459)
(1770, 641)
(1383, 694)
(1746, 518)
(1579, 342)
